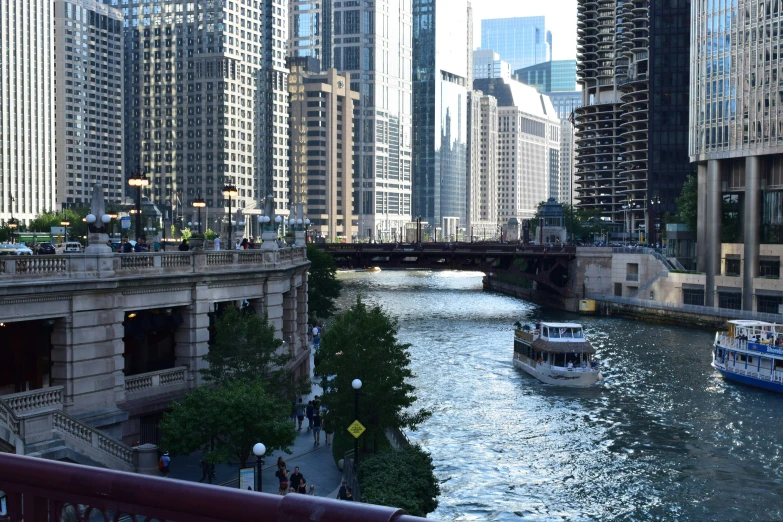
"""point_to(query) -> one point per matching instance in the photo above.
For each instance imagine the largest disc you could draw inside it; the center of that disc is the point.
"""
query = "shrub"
(403, 478)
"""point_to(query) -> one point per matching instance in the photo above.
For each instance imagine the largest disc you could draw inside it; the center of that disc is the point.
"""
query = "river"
(663, 437)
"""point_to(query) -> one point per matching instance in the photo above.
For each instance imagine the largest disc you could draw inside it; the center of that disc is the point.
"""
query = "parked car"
(23, 250)
(45, 248)
(73, 247)
(14, 249)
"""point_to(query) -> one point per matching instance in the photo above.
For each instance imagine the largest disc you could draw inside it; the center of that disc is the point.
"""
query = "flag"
(571, 118)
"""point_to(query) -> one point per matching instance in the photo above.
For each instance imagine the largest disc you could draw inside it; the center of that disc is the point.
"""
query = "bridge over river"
(545, 265)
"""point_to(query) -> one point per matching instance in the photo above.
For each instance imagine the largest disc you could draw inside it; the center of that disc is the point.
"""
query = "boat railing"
(726, 341)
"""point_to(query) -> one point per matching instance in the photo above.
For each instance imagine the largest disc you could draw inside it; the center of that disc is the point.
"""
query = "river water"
(663, 437)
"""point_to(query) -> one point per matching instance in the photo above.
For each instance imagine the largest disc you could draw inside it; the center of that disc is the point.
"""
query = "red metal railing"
(39, 490)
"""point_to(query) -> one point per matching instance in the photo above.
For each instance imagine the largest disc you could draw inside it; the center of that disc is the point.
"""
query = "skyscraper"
(372, 42)
(631, 131)
(321, 123)
(27, 139)
(206, 101)
(736, 145)
(482, 165)
(528, 147)
(551, 76)
(487, 64)
(440, 103)
(310, 30)
(522, 42)
(88, 114)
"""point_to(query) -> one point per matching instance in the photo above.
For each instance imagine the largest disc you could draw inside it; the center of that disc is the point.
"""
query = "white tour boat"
(556, 353)
(751, 352)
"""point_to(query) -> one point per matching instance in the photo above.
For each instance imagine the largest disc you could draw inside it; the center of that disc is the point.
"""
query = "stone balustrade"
(83, 266)
(70, 428)
(149, 383)
(35, 400)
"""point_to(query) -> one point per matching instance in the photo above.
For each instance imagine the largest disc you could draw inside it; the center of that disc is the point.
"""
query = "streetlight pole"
(259, 450)
(230, 191)
(65, 224)
(199, 203)
(138, 180)
(357, 385)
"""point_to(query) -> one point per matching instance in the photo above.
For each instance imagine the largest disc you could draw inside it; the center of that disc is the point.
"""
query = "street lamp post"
(357, 385)
(199, 203)
(12, 224)
(230, 191)
(259, 450)
(138, 180)
(65, 224)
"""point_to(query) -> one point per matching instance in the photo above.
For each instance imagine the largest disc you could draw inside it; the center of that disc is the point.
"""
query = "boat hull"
(576, 377)
(749, 381)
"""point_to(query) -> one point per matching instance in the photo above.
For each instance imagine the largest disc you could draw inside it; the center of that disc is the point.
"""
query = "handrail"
(8, 418)
(44, 487)
(73, 427)
(30, 401)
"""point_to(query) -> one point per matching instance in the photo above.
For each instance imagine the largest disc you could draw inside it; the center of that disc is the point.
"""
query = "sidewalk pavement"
(315, 463)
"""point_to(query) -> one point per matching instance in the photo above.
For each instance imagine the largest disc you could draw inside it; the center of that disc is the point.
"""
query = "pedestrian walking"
(348, 494)
(300, 412)
(164, 464)
(316, 429)
(303, 487)
(217, 243)
(326, 426)
(282, 477)
(184, 247)
(295, 479)
(280, 463)
(309, 412)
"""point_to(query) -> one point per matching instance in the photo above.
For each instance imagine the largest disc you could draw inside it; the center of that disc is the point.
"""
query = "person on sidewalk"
(300, 411)
(282, 477)
(204, 465)
(165, 464)
(326, 426)
(309, 412)
(316, 429)
(296, 479)
(341, 494)
(348, 494)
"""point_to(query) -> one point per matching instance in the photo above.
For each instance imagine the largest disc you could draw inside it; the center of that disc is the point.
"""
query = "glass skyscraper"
(440, 103)
(551, 76)
(522, 42)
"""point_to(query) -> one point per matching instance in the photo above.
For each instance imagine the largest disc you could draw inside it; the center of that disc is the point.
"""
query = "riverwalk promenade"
(315, 463)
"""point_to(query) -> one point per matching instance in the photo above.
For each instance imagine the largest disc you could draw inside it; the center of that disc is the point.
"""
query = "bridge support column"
(192, 336)
(87, 359)
(273, 298)
(289, 319)
(301, 312)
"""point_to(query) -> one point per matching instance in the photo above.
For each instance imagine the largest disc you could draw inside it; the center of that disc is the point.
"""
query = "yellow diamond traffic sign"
(356, 429)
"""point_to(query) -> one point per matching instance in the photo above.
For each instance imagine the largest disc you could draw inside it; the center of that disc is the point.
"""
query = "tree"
(226, 421)
(45, 221)
(245, 348)
(322, 284)
(403, 478)
(362, 344)
(687, 202)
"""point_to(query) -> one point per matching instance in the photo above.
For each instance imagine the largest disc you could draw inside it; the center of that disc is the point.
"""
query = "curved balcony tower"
(635, 89)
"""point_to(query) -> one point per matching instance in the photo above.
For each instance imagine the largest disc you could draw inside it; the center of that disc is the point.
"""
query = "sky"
(560, 19)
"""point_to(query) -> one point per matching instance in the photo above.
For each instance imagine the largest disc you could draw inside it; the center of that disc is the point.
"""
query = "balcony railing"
(87, 266)
(35, 400)
(150, 383)
(39, 490)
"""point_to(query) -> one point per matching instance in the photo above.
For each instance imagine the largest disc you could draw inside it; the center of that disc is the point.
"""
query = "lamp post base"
(269, 239)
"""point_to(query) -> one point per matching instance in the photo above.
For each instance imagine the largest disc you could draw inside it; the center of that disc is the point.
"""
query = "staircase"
(35, 424)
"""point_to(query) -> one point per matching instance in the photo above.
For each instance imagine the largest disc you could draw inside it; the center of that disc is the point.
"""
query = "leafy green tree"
(45, 221)
(245, 348)
(403, 478)
(226, 421)
(322, 284)
(362, 344)
(688, 201)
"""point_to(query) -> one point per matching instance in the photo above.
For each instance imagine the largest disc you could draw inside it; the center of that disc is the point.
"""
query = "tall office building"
(440, 101)
(522, 42)
(88, 101)
(310, 33)
(27, 140)
(631, 131)
(482, 166)
(736, 144)
(206, 101)
(487, 64)
(321, 124)
(551, 76)
(372, 42)
(557, 79)
(528, 147)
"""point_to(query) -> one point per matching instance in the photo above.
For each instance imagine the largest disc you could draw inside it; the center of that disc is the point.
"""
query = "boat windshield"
(563, 333)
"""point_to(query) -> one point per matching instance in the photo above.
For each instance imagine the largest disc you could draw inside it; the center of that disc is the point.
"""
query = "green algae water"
(663, 437)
